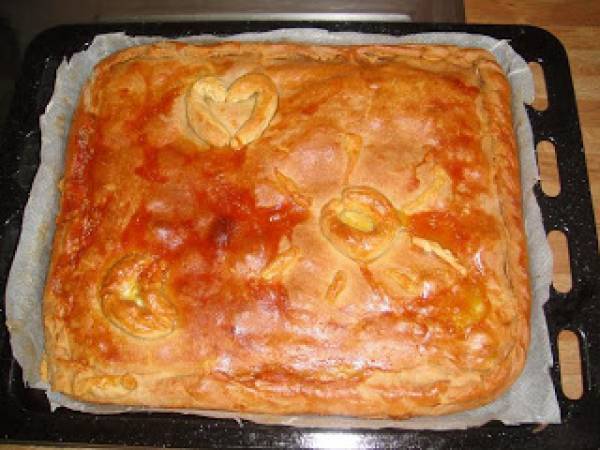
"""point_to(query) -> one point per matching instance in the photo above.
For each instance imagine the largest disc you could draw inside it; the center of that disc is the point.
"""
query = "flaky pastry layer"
(290, 229)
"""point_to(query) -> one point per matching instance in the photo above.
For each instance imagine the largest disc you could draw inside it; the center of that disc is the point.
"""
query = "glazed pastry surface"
(290, 229)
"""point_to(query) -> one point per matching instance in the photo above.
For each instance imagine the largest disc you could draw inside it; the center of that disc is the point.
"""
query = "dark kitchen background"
(22, 20)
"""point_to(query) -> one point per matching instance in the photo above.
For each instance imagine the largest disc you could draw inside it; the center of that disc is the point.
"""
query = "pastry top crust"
(292, 229)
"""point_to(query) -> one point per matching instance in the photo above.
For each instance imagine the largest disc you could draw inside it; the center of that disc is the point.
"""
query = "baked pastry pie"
(290, 229)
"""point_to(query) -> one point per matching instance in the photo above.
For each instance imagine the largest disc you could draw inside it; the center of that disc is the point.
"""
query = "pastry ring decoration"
(210, 125)
(361, 224)
(132, 297)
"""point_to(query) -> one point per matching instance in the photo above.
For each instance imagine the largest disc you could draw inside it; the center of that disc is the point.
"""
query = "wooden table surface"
(577, 25)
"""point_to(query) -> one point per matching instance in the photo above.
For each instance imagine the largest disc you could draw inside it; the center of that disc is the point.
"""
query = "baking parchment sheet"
(531, 399)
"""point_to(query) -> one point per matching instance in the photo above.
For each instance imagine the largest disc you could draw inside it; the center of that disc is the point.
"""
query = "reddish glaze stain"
(459, 233)
(149, 170)
(162, 105)
(225, 227)
(310, 109)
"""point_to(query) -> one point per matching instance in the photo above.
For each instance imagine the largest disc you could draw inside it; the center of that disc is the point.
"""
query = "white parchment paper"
(530, 400)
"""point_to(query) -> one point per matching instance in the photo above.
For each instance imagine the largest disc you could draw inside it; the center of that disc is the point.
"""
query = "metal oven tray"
(24, 412)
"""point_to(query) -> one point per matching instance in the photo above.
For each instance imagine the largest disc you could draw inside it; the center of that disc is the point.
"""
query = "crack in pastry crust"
(352, 145)
(104, 386)
(337, 285)
(360, 253)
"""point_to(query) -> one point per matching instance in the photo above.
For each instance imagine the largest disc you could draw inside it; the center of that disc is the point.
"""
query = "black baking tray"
(24, 412)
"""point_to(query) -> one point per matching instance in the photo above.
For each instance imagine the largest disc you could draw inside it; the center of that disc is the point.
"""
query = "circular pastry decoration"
(132, 297)
(361, 224)
(214, 126)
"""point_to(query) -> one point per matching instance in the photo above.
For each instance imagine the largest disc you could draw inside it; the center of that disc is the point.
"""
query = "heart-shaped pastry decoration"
(361, 224)
(133, 300)
(217, 124)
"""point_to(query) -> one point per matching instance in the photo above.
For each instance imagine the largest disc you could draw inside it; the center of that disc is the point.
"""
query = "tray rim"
(571, 410)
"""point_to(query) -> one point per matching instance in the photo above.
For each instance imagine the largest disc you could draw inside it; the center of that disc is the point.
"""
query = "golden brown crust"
(290, 229)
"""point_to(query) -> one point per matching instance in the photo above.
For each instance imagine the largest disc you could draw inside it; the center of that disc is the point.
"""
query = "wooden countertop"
(577, 25)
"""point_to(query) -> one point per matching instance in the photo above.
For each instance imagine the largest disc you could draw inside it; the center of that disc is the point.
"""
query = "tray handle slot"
(548, 168)
(540, 101)
(561, 278)
(569, 355)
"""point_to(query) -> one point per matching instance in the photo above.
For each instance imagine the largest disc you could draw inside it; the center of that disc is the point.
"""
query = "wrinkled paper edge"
(531, 399)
